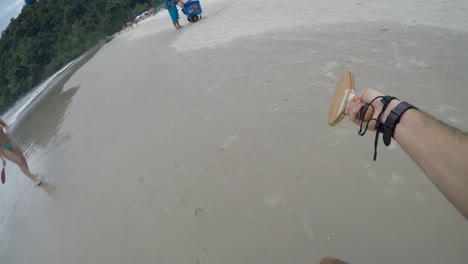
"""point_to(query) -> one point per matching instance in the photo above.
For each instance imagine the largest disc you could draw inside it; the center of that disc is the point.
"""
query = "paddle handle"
(365, 113)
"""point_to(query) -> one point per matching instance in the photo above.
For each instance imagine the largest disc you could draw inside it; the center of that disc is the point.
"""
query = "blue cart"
(192, 9)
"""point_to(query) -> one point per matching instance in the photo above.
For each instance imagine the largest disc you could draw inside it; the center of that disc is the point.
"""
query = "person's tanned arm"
(438, 149)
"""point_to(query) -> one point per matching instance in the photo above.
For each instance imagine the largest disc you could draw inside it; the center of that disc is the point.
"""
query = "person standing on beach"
(171, 6)
(12, 152)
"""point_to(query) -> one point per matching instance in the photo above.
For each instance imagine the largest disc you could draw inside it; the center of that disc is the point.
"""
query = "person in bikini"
(12, 152)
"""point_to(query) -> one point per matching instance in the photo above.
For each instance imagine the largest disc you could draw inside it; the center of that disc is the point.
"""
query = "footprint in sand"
(329, 236)
(272, 108)
(213, 88)
(423, 66)
(199, 211)
(443, 109)
(336, 143)
(228, 142)
(201, 259)
(370, 173)
(397, 179)
(389, 192)
(308, 230)
(273, 200)
(295, 90)
(341, 132)
(177, 164)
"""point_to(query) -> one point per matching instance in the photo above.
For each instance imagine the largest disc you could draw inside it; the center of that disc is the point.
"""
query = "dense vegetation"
(50, 33)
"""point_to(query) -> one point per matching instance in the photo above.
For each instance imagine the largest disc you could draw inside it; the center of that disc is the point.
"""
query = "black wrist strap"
(393, 119)
(378, 123)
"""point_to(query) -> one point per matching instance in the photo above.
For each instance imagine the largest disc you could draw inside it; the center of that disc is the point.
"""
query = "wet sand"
(157, 152)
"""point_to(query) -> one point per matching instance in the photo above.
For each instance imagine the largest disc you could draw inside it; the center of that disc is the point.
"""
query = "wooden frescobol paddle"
(344, 93)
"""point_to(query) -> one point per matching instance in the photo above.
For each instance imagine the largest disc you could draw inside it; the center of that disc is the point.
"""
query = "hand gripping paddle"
(344, 92)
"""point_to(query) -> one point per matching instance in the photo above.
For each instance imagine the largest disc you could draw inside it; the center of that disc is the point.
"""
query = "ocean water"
(12, 114)
(34, 139)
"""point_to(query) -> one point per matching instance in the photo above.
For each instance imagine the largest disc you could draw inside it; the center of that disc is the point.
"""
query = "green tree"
(49, 34)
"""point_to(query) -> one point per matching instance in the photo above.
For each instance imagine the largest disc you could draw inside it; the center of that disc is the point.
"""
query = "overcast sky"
(9, 9)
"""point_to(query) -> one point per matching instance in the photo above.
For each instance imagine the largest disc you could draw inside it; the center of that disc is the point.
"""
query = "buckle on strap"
(393, 119)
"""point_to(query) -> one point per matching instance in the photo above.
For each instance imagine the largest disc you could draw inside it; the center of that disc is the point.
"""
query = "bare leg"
(20, 161)
(175, 25)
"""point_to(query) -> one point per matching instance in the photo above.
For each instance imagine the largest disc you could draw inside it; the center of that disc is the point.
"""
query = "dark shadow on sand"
(49, 188)
(40, 123)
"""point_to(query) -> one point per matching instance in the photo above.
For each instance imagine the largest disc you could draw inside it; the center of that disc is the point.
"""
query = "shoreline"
(17, 183)
(22, 106)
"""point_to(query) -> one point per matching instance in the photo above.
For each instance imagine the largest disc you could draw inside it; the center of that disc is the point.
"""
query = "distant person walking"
(12, 152)
(171, 6)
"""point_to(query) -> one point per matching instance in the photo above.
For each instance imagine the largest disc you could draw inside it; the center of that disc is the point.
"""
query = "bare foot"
(36, 180)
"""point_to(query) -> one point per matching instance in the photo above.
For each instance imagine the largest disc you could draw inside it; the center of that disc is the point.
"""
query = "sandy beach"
(211, 144)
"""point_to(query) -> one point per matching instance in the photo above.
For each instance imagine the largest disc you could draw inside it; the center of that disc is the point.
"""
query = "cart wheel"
(189, 20)
(194, 18)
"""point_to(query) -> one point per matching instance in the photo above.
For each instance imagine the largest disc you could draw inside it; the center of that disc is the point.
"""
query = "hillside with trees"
(50, 33)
